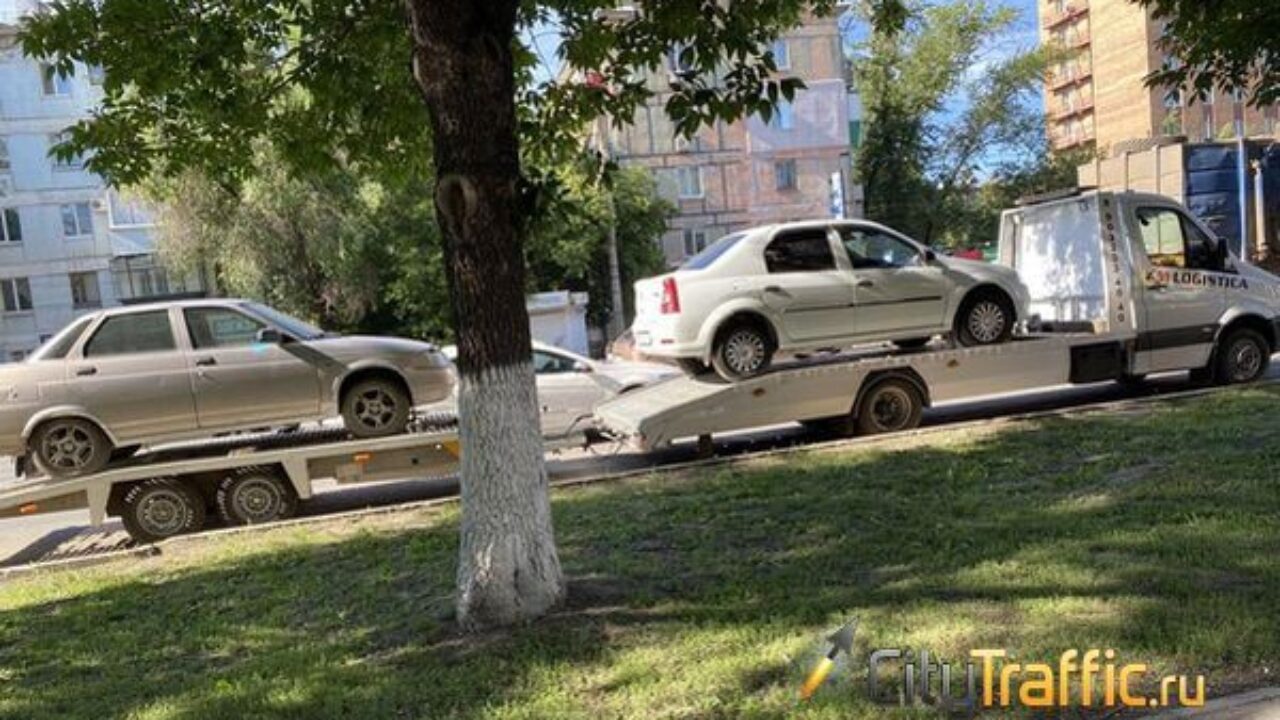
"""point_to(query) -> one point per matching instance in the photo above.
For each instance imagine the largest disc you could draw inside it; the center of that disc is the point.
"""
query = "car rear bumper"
(664, 339)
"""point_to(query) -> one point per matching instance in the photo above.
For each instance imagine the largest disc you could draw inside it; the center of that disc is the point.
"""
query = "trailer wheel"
(890, 405)
(161, 508)
(256, 496)
(1243, 356)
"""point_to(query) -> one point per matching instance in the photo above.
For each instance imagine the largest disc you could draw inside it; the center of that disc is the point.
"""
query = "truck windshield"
(712, 252)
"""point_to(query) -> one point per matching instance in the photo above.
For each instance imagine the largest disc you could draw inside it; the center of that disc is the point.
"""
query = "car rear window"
(712, 252)
(59, 345)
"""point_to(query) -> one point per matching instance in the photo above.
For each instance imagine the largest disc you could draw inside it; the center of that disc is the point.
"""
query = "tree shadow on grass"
(1153, 534)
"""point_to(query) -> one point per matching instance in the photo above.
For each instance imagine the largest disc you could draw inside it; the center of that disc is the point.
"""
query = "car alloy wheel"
(986, 321)
(375, 409)
(68, 447)
(745, 351)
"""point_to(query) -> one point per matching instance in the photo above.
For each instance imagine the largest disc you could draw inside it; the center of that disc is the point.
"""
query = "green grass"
(706, 594)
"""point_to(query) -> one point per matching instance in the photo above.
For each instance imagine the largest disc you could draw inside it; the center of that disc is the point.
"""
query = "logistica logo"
(991, 678)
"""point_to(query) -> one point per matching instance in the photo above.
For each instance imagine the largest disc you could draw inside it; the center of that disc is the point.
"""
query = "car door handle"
(774, 289)
(866, 283)
(84, 371)
(206, 362)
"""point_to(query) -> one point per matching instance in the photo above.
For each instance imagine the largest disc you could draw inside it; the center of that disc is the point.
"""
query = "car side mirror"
(929, 256)
(268, 336)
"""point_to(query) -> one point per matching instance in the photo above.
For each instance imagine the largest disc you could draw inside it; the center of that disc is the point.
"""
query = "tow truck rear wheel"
(255, 496)
(161, 508)
(1243, 356)
(890, 405)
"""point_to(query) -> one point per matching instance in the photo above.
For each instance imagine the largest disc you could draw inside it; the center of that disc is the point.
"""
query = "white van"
(1140, 267)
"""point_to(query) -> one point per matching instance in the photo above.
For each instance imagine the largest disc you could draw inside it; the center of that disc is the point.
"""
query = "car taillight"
(670, 297)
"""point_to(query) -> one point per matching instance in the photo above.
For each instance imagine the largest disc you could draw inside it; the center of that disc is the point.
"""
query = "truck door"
(810, 295)
(1182, 291)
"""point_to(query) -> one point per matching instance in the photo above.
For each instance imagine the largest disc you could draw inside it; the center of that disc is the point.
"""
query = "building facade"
(68, 243)
(1097, 98)
(751, 172)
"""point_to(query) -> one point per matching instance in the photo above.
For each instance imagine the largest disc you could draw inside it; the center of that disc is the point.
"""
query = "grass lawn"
(707, 594)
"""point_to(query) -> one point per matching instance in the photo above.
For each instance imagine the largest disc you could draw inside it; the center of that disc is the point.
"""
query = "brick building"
(1098, 97)
(735, 175)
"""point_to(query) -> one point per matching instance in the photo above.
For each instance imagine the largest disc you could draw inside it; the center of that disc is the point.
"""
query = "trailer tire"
(70, 447)
(986, 317)
(890, 405)
(254, 496)
(1242, 356)
(161, 508)
(376, 407)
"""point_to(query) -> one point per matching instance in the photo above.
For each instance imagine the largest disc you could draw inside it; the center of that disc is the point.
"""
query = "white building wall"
(32, 183)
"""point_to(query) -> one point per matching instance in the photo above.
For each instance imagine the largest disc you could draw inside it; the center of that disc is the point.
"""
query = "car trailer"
(244, 479)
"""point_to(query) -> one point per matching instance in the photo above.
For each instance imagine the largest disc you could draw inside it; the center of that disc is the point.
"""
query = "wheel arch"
(59, 412)
(1249, 320)
(365, 372)
(746, 314)
(985, 286)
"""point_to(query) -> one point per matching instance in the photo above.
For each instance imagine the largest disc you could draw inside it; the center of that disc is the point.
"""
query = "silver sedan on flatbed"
(125, 377)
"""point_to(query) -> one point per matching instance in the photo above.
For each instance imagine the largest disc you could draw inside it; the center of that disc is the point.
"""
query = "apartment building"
(68, 243)
(735, 175)
(1098, 99)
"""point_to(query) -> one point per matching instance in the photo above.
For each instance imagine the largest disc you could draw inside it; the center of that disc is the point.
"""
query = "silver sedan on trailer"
(125, 377)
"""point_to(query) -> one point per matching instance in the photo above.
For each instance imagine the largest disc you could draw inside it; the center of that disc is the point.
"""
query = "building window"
(4, 155)
(85, 293)
(682, 58)
(695, 241)
(74, 162)
(96, 74)
(54, 82)
(784, 174)
(781, 54)
(16, 294)
(783, 117)
(77, 221)
(17, 355)
(126, 212)
(689, 178)
(10, 226)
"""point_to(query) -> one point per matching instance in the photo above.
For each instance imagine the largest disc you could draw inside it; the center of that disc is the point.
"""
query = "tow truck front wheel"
(1243, 356)
(161, 508)
(890, 405)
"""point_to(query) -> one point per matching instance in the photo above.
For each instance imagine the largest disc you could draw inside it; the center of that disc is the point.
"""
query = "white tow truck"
(1123, 285)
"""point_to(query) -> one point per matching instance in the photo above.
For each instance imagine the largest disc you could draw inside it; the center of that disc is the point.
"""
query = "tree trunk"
(508, 570)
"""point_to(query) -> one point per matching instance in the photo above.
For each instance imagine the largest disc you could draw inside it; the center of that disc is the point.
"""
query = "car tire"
(912, 343)
(890, 405)
(376, 407)
(742, 349)
(254, 496)
(161, 508)
(986, 317)
(70, 447)
(692, 367)
(1243, 356)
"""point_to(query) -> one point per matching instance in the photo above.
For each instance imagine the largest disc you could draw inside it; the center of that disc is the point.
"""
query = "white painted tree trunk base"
(508, 570)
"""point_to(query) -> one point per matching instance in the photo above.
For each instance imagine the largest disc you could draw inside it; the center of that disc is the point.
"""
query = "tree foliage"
(940, 115)
(1220, 45)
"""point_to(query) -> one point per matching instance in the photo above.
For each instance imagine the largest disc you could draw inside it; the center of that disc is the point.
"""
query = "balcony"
(1069, 15)
(1057, 81)
(1064, 111)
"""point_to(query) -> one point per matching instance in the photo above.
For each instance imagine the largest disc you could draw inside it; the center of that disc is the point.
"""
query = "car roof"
(773, 228)
(165, 305)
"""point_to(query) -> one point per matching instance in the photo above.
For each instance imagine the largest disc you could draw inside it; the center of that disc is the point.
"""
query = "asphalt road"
(68, 534)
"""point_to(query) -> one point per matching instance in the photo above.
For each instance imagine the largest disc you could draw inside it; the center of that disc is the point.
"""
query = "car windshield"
(57, 347)
(289, 324)
(712, 253)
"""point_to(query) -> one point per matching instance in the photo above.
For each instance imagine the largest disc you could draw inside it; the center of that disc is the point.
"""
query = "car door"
(1182, 293)
(566, 392)
(131, 374)
(895, 289)
(810, 295)
(239, 381)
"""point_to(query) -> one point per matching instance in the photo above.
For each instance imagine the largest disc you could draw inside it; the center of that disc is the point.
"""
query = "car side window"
(871, 249)
(800, 251)
(215, 327)
(133, 333)
(1171, 239)
(545, 363)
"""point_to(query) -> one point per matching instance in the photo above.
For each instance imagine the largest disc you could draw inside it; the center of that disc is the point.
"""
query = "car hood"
(370, 345)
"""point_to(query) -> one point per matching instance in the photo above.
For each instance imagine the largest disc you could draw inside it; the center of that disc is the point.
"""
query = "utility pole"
(617, 319)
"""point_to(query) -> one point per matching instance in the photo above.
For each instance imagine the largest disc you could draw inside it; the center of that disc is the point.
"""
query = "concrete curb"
(743, 458)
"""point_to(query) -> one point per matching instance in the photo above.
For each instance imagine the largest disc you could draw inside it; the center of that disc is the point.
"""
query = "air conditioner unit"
(98, 205)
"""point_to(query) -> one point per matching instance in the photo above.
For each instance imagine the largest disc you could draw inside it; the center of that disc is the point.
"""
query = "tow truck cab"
(1143, 271)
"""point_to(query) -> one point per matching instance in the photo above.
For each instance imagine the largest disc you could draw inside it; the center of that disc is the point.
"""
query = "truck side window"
(800, 251)
(1172, 240)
